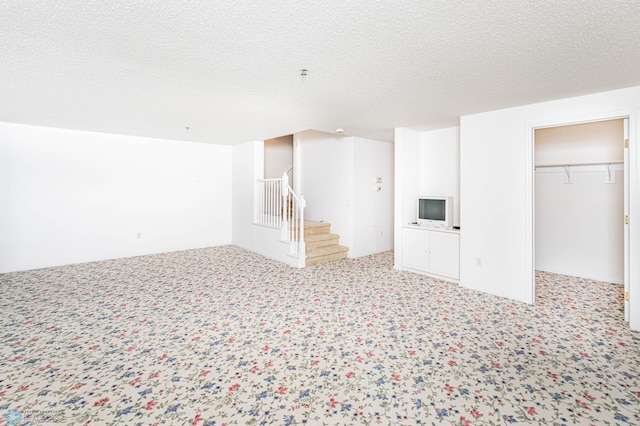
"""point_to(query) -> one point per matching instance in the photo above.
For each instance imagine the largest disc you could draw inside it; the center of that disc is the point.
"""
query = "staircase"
(276, 206)
(321, 245)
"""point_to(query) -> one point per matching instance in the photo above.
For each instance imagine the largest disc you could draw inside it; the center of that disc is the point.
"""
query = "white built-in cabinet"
(431, 251)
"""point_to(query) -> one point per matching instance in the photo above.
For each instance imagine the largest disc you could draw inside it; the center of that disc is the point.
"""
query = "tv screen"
(430, 209)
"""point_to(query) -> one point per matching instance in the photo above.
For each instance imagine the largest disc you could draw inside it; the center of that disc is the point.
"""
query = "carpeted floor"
(223, 336)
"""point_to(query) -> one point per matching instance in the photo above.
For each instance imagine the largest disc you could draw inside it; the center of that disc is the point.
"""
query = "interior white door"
(627, 263)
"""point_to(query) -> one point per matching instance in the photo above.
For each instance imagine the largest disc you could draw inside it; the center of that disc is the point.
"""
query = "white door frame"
(632, 204)
(627, 233)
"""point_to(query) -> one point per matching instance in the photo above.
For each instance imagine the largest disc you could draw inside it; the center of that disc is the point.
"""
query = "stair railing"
(278, 206)
(289, 170)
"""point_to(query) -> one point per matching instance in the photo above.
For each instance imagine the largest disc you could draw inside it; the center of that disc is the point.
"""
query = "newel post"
(285, 185)
(301, 245)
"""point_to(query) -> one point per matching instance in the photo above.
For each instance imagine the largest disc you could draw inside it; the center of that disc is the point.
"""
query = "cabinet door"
(414, 249)
(444, 251)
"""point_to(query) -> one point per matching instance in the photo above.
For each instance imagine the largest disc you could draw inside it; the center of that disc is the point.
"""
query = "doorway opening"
(580, 199)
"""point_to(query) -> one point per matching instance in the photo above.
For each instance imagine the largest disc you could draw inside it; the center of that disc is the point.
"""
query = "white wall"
(326, 181)
(578, 226)
(73, 196)
(278, 156)
(440, 166)
(496, 189)
(248, 165)
(407, 159)
(584, 143)
(338, 182)
(372, 209)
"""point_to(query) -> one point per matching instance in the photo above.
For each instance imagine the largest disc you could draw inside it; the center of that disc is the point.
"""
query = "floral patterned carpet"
(222, 336)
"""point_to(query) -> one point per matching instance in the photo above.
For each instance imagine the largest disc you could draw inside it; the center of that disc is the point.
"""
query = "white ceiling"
(230, 70)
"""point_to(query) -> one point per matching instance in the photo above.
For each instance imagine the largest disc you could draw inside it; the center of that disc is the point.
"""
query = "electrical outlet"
(478, 261)
(139, 235)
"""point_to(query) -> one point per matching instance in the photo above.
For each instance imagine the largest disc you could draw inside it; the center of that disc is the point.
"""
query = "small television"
(435, 212)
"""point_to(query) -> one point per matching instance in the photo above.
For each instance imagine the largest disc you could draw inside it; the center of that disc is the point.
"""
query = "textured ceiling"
(230, 70)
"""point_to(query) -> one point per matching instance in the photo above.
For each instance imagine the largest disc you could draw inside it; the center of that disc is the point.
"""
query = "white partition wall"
(326, 180)
(338, 181)
(373, 197)
(496, 189)
(407, 157)
(248, 165)
(71, 196)
(440, 166)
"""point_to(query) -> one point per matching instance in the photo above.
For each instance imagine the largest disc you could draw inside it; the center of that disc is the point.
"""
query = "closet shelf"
(609, 167)
(601, 163)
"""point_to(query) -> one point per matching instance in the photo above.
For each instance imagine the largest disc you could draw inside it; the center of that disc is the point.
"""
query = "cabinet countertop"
(431, 228)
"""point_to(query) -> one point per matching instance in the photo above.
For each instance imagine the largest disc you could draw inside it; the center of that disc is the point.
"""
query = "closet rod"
(602, 163)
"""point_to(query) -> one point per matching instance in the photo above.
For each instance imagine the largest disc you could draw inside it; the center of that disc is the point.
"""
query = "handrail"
(277, 206)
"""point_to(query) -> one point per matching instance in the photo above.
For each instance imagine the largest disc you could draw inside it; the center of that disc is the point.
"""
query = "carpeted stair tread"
(315, 241)
(315, 228)
(325, 254)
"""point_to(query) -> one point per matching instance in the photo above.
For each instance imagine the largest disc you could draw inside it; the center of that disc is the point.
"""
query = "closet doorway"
(580, 201)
